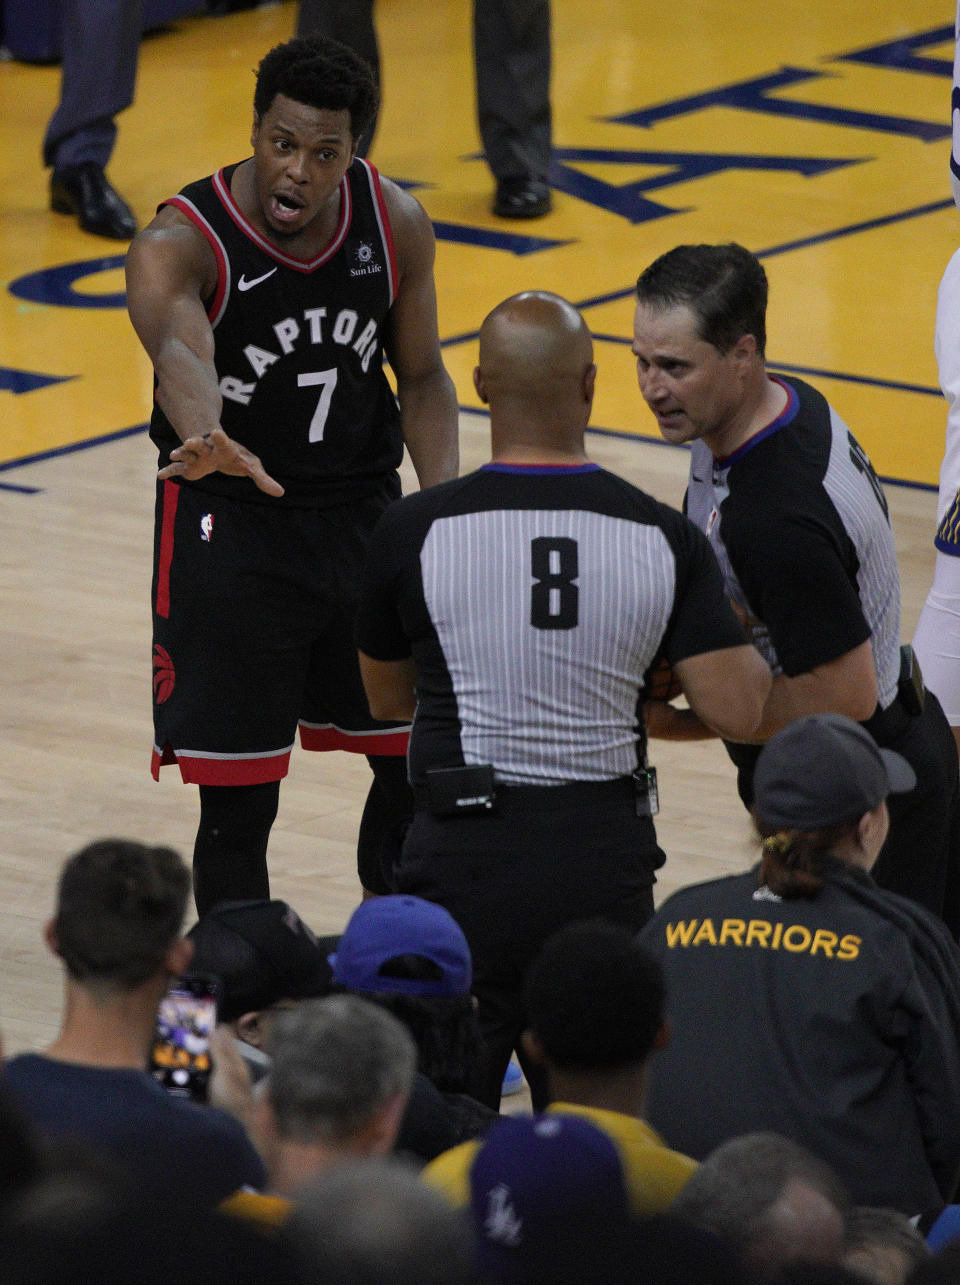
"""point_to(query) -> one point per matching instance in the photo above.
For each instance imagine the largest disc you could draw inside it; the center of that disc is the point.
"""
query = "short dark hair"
(322, 73)
(594, 997)
(445, 1029)
(724, 286)
(120, 907)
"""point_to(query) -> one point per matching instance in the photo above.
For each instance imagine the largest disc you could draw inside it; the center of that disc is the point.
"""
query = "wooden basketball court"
(832, 165)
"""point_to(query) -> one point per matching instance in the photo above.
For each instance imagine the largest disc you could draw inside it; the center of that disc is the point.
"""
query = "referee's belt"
(468, 800)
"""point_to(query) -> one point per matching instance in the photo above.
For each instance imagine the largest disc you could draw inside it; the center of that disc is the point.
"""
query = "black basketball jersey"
(299, 351)
(533, 599)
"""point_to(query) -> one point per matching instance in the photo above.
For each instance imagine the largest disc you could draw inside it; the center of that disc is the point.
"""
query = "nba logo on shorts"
(206, 527)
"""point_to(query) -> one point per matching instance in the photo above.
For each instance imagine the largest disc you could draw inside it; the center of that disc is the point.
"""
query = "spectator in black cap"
(266, 959)
(808, 1001)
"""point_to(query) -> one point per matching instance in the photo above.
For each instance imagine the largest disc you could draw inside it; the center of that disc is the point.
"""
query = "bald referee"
(516, 610)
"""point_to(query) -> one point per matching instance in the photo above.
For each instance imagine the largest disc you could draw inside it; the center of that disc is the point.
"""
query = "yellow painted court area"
(772, 128)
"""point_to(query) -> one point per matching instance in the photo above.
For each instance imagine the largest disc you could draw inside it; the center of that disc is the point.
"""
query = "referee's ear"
(479, 384)
(589, 383)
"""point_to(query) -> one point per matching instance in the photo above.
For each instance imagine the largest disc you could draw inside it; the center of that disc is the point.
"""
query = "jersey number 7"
(327, 380)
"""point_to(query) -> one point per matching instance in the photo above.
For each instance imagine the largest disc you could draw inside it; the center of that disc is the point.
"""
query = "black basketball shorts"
(253, 634)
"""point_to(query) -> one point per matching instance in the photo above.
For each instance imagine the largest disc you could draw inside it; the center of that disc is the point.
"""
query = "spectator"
(595, 1002)
(266, 958)
(411, 957)
(116, 930)
(372, 1222)
(882, 1246)
(339, 1081)
(770, 1199)
(842, 999)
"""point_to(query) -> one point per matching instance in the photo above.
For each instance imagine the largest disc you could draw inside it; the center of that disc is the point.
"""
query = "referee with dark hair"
(517, 610)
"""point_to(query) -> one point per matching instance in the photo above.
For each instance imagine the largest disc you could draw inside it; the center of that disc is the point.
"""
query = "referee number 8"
(554, 597)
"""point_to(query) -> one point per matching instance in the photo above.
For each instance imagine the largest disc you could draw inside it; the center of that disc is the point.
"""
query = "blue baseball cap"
(383, 929)
(540, 1187)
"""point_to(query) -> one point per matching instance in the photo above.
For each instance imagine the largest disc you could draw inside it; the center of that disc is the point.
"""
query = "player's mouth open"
(285, 207)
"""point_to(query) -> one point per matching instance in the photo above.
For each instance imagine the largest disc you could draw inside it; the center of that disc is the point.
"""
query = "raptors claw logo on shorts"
(164, 675)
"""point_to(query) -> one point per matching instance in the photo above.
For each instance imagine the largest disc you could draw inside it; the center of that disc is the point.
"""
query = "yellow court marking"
(818, 139)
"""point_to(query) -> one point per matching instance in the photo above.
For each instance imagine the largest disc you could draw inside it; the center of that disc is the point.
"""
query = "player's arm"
(427, 397)
(390, 686)
(170, 269)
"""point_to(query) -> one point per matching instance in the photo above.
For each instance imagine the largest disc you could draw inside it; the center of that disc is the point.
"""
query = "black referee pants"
(546, 856)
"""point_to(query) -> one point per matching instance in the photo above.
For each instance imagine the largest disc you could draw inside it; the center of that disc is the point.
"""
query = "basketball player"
(800, 525)
(937, 637)
(266, 296)
(526, 602)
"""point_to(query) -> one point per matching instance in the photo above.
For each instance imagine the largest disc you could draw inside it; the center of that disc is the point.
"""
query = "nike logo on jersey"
(244, 284)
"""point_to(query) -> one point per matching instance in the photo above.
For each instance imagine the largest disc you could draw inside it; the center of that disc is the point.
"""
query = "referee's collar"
(788, 414)
(545, 470)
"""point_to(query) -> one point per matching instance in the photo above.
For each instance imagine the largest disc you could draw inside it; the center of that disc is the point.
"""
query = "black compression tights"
(230, 854)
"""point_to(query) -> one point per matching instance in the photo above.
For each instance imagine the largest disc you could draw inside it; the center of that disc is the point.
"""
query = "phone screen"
(186, 1019)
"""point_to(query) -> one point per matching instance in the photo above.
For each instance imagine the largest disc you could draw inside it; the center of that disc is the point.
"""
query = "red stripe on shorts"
(171, 496)
(331, 738)
(225, 771)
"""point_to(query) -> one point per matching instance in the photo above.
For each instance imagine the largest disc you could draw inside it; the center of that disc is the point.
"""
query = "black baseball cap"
(825, 769)
(263, 952)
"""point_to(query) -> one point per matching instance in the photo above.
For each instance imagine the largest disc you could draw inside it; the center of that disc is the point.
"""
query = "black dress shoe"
(83, 190)
(522, 198)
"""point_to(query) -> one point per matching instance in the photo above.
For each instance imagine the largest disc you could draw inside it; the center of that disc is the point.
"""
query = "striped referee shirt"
(799, 523)
(533, 599)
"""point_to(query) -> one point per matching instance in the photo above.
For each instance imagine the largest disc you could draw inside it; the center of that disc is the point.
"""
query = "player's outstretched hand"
(217, 453)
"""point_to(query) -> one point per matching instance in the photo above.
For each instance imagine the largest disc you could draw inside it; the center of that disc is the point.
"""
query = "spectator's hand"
(217, 453)
(230, 1086)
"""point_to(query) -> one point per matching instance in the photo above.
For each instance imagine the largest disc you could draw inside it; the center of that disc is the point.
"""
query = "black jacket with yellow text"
(834, 1020)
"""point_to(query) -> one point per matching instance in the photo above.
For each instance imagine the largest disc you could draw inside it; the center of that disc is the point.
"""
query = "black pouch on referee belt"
(910, 687)
(648, 795)
(460, 791)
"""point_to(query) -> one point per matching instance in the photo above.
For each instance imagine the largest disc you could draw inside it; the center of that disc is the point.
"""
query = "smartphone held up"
(186, 1019)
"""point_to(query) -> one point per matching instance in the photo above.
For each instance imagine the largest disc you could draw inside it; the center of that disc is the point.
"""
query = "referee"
(800, 525)
(517, 610)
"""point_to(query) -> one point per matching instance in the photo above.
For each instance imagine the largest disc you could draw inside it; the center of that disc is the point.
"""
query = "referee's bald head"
(535, 348)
